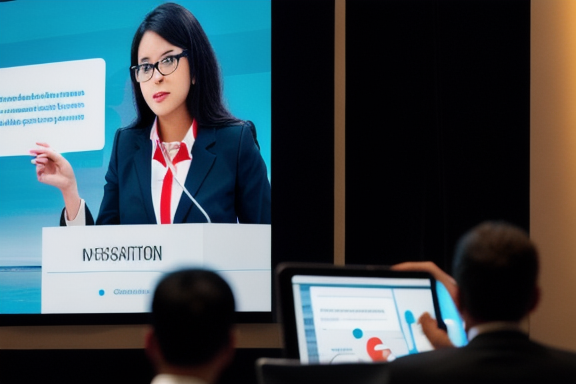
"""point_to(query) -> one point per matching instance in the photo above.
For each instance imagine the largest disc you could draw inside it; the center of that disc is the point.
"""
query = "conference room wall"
(408, 216)
(552, 210)
(551, 155)
(553, 167)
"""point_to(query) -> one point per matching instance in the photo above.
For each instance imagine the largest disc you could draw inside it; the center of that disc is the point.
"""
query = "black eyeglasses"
(166, 66)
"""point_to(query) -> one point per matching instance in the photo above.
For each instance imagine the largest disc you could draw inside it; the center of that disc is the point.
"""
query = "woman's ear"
(194, 80)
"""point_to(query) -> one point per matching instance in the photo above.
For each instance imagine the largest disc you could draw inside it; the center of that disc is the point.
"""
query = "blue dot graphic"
(101, 292)
(357, 333)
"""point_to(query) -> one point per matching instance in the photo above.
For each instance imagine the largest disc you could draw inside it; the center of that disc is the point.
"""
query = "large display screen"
(65, 80)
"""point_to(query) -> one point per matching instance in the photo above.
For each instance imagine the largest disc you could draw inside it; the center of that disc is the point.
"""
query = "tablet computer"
(337, 314)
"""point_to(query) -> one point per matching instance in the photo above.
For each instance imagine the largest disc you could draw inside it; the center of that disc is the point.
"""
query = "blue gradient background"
(43, 31)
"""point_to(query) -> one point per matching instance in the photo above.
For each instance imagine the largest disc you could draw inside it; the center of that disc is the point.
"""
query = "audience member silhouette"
(495, 269)
(191, 339)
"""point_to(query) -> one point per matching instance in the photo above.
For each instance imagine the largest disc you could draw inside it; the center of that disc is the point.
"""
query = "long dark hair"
(179, 27)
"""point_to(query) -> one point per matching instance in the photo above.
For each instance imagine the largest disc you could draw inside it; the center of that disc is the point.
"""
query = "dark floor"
(126, 366)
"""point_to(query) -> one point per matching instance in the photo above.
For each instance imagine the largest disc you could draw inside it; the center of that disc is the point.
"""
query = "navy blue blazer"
(227, 177)
(501, 357)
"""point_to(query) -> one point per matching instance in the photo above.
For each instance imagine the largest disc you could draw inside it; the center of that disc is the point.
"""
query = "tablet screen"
(360, 318)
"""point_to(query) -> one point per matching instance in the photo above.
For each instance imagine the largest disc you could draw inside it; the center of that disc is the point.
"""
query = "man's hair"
(192, 316)
(496, 268)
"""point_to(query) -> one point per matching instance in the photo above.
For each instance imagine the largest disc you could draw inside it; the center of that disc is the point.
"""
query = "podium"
(115, 268)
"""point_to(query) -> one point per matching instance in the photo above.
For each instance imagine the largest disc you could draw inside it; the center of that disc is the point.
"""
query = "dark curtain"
(302, 131)
(437, 124)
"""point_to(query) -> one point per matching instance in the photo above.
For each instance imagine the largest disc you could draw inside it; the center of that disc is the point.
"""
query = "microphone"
(184, 189)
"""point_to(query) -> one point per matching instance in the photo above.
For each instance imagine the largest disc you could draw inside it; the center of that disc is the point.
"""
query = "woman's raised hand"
(53, 169)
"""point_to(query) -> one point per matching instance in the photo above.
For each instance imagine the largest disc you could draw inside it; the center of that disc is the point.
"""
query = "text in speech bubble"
(61, 104)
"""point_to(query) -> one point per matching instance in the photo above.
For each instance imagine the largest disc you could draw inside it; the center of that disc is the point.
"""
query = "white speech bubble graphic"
(61, 104)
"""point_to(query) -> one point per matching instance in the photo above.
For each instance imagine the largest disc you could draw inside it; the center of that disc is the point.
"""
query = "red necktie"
(166, 196)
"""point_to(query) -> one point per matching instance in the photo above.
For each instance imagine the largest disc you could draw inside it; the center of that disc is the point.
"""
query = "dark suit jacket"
(227, 177)
(497, 357)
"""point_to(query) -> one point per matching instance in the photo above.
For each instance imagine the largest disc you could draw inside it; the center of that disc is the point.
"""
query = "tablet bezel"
(285, 294)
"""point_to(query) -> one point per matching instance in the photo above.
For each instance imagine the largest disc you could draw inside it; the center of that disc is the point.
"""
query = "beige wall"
(553, 167)
(116, 337)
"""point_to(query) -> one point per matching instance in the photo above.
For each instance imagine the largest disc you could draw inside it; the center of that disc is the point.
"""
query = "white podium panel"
(114, 268)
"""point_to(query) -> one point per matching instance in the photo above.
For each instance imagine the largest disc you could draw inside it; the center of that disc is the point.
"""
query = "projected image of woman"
(186, 158)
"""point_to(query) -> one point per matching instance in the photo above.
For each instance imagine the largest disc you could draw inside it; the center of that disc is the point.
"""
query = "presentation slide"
(368, 324)
(65, 80)
(65, 109)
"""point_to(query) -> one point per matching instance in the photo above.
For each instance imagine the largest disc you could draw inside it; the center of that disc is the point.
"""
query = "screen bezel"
(312, 37)
(285, 293)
